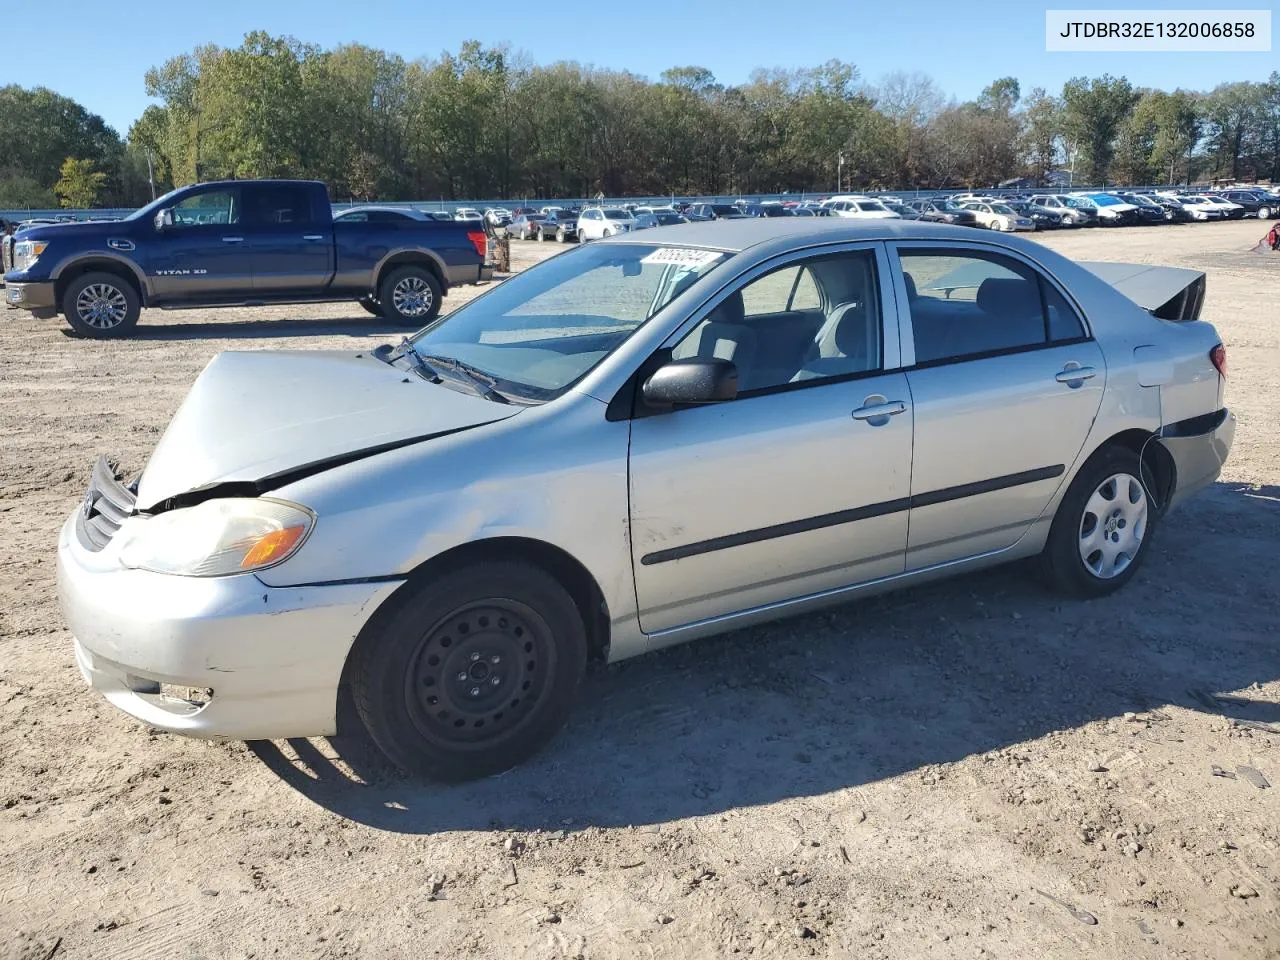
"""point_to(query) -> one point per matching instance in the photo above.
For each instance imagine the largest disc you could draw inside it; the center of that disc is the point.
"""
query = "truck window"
(279, 203)
(206, 208)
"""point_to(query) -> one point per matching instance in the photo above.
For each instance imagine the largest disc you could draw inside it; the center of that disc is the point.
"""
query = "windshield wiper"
(485, 384)
(407, 349)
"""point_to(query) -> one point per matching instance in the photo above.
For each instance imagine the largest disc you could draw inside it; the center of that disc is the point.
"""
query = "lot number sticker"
(683, 256)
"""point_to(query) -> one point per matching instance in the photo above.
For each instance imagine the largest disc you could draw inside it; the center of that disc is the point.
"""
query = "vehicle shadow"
(361, 325)
(867, 691)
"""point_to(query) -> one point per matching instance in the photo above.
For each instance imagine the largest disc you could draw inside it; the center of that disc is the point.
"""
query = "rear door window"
(279, 204)
(966, 304)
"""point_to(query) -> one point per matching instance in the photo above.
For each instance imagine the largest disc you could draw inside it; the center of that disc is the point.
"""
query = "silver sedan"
(638, 442)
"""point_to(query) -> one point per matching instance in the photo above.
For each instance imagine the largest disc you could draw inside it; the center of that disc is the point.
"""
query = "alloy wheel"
(1113, 525)
(412, 297)
(101, 306)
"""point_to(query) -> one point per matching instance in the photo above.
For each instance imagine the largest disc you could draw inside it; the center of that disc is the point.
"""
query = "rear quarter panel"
(361, 250)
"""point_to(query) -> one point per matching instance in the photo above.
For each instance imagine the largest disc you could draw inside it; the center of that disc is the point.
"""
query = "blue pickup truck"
(241, 243)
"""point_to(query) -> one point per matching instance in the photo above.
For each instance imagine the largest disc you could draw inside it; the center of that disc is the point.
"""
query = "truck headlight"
(217, 538)
(27, 252)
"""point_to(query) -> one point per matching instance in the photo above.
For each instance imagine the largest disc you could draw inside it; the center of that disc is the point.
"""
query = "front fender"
(72, 261)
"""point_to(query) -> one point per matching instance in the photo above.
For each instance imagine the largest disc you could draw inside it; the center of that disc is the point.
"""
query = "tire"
(560, 237)
(1107, 496)
(419, 296)
(541, 236)
(101, 306)
(372, 305)
(1264, 213)
(473, 672)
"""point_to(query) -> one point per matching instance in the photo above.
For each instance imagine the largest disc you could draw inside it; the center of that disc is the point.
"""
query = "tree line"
(485, 122)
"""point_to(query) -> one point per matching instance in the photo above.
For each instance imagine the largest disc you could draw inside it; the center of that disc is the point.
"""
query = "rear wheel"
(1264, 213)
(410, 296)
(101, 306)
(560, 235)
(473, 672)
(1103, 527)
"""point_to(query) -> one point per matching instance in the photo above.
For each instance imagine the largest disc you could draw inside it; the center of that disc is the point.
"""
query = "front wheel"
(1103, 526)
(101, 306)
(410, 296)
(1264, 213)
(473, 672)
(560, 237)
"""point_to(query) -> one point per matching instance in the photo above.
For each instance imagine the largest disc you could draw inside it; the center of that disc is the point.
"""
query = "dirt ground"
(974, 769)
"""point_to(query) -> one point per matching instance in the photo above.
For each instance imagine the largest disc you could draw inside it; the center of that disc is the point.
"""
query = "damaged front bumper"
(264, 662)
(1198, 447)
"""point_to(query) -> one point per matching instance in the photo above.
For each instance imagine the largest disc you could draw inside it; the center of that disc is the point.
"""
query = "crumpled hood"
(252, 416)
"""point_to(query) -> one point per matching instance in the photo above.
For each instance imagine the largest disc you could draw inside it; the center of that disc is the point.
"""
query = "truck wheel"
(372, 305)
(101, 306)
(472, 672)
(410, 296)
(560, 235)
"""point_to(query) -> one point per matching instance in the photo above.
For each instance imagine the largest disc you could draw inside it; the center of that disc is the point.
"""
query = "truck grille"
(105, 506)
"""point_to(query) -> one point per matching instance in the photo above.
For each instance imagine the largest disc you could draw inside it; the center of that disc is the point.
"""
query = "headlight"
(27, 252)
(217, 538)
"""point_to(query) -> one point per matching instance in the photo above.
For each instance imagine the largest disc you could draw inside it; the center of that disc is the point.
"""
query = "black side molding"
(850, 516)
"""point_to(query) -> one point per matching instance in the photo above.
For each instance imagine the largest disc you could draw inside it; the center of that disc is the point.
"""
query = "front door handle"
(313, 236)
(1073, 374)
(877, 408)
(233, 239)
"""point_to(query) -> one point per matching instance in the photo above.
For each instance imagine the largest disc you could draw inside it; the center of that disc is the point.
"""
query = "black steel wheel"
(471, 672)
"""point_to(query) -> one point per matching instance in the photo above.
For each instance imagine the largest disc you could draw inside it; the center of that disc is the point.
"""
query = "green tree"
(1093, 112)
(79, 185)
(1040, 134)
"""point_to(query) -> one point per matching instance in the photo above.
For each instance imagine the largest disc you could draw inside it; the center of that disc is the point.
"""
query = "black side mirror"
(691, 381)
(164, 220)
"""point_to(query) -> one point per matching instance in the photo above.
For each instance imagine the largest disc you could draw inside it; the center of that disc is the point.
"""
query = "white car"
(859, 208)
(596, 223)
(1112, 211)
(1229, 210)
(467, 213)
(1200, 208)
(498, 216)
(998, 216)
(550, 210)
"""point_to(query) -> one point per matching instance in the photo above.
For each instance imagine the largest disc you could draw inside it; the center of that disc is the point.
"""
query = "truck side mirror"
(164, 220)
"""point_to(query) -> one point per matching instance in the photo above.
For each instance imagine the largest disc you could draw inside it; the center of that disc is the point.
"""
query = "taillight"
(1219, 357)
(480, 240)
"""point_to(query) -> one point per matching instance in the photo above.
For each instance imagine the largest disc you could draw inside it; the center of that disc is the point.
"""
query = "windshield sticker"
(683, 256)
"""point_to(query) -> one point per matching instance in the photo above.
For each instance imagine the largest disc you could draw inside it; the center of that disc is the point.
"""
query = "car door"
(1005, 381)
(202, 255)
(290, 240)
(797, 486)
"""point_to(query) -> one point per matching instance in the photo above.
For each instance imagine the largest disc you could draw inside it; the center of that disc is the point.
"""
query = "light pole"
(839, 170)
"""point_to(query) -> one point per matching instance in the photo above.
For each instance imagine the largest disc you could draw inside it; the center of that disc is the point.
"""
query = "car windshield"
(1080, 202)
(617, 215)
(724, 208)
(669, 218)
(1106, 200)
(537, 333)
(870, 206)
(1003, 208)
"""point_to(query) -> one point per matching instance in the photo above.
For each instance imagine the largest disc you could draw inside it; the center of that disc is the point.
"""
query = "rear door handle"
(313, 236)
(1075, 375)
(233, 239)
(886, 408)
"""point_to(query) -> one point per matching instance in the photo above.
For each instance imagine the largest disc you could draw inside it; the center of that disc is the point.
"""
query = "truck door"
(290, 238)
(202, 255)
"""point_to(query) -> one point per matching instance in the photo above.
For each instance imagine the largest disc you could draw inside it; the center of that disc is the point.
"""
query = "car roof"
(788, 233)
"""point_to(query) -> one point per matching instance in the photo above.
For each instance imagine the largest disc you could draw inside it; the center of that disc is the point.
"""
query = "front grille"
(105, 506)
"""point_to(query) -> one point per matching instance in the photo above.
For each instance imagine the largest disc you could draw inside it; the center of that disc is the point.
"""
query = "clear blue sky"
(97, 53)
